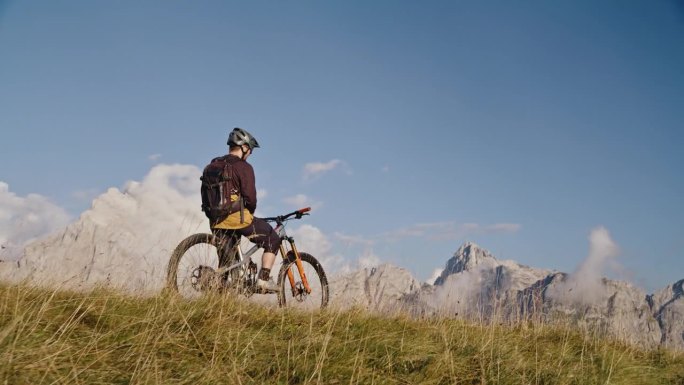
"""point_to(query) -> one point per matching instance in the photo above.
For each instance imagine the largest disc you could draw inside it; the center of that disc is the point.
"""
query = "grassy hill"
(103, 337)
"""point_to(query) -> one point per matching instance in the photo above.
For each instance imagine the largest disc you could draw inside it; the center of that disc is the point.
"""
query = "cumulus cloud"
(23, 219)
(312, 240)
(301, 200)
(315, 169)
(262, 193)
(584, 285)
(368, 259)
(352, 240)
(86, 195)
(460, 293)
(126, 237)
(167, 198)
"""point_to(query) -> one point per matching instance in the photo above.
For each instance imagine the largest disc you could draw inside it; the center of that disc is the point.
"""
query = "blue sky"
(520, 126)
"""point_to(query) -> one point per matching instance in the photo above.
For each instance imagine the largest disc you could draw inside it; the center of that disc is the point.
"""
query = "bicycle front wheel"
(293, 292)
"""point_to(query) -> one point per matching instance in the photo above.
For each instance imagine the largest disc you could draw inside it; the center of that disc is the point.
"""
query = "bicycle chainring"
(248, 291)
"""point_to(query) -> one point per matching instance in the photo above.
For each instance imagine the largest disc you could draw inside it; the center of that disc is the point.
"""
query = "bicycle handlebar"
(281, 218)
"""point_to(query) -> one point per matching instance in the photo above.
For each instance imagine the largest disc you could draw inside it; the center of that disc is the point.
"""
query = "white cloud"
(261, 193)
(126, 237)
(23, 219)
(154, 157)
(301, 201)
(460, 293)
(86, 195)
(312, 240)
(584, 285)
(448, 230)
(163, 208)
(503, 228)
(351, 240)
(315, 169)
(167, 197)
(368, 259)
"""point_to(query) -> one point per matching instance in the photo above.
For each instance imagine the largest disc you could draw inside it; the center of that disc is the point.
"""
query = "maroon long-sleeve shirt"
(245, 181)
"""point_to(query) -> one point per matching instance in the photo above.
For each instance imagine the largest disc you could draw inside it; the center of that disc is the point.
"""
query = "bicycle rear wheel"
(296, 296)
(193, 264)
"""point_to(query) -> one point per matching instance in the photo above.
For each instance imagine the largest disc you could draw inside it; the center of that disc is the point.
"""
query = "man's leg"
(261, 233)
(265, 282)
(226, 250)
(267, 260)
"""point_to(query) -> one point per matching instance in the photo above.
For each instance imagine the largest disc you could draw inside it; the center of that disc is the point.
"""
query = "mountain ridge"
(475, 285)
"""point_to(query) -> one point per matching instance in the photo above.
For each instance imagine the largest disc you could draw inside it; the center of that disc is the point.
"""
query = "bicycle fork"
(300, 268)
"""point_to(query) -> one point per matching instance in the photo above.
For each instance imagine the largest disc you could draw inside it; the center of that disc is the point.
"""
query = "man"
(241, 144)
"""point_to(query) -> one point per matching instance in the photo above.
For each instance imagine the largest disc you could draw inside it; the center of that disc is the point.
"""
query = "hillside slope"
(102, 337)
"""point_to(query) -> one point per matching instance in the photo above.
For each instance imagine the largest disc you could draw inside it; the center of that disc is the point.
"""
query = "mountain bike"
(216, 262)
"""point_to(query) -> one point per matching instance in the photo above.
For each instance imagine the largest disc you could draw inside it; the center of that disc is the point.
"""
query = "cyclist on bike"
(241, 144)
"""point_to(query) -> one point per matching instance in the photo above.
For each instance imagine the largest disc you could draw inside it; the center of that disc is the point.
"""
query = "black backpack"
(218, 184)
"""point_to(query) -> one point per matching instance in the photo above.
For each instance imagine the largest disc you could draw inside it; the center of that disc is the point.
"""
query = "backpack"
(218, 184)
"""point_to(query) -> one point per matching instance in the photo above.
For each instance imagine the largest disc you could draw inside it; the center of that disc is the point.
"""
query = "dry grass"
(103, 337)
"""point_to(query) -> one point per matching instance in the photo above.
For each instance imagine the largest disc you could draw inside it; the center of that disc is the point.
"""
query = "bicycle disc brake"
(204, 278)
(300, 293)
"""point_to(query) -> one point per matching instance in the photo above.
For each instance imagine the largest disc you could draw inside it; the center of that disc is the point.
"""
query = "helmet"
(239, 136)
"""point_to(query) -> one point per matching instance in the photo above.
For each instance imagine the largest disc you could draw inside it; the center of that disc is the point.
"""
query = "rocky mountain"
(667, 306)
(477, 286)
(474, 284)
(377, 289)
(616, 308)
(466, 258)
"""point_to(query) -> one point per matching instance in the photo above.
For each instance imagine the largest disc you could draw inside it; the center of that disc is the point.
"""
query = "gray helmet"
(239, 136)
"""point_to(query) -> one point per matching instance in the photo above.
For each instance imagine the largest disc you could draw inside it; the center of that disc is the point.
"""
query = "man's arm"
(248, 187)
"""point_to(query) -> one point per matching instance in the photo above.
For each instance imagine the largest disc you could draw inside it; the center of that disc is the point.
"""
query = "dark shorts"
(259, 232)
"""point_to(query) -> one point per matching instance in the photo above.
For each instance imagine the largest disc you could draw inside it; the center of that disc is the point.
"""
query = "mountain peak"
(470, 254)
(467, 257)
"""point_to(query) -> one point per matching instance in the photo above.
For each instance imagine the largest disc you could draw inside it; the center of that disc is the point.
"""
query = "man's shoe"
(267, 286)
